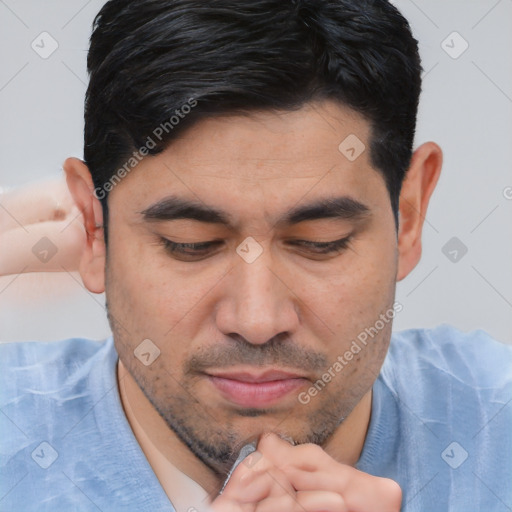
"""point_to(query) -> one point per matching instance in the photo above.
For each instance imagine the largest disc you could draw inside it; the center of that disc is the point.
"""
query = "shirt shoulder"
(442, 419)
(66, 443)
(473, 359)
(35, 352)
(44, 366)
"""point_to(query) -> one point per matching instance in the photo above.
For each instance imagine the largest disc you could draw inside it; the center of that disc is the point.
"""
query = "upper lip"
(266, 376)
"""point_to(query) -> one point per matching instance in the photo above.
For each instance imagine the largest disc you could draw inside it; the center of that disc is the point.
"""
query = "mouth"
(255, 390)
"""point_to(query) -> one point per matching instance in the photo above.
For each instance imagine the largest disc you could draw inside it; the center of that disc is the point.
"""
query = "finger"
(309, 467)
(321, 501)
(307, 501)
(252, 483)
(306, 456)
(362, 492)
(225, 504)
(372, 493)
(282, 504)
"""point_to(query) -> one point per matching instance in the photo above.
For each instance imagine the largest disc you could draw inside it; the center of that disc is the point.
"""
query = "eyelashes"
(325, 247)
(200, 250)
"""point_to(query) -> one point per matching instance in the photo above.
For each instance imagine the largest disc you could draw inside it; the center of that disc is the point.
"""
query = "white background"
(466, 107)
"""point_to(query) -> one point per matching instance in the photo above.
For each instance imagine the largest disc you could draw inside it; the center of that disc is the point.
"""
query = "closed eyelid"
(201, 249)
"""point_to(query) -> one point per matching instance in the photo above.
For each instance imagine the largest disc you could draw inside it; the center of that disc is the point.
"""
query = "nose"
(257, 302)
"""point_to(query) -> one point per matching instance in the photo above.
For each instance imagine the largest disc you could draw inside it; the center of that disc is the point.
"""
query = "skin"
(305, 478)
(31, 213)
(291, 309)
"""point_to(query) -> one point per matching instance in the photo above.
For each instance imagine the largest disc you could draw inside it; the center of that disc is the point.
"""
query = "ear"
(418, 186)
(81, 187)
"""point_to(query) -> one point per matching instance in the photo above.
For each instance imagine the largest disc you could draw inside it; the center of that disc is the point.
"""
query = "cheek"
(154, 294)
(360, 289)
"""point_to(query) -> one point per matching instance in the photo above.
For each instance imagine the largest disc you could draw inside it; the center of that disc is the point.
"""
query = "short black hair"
(164, 64)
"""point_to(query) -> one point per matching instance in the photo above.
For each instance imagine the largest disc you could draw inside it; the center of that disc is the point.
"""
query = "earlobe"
(81, 187)
(417, 189)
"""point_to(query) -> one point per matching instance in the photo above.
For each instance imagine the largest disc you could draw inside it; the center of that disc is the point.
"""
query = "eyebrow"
(173, 208)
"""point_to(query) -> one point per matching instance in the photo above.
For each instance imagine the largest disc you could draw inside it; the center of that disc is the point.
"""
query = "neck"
(152, 432)
(346, 444)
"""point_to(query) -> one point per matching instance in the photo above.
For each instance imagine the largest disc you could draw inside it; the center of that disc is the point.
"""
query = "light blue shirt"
(441, 426)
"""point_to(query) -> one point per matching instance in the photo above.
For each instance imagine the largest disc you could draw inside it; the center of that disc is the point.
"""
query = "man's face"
(225, 316)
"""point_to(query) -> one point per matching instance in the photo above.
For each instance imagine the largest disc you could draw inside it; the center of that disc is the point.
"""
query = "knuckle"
(314, 451)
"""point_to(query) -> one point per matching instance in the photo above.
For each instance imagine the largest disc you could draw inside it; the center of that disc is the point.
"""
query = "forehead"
(271, 141)
(259, 161)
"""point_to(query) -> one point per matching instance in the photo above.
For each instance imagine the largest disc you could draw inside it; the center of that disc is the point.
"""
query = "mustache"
(278, 351)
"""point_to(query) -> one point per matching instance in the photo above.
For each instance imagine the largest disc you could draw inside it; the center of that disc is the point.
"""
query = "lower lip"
(255, 394)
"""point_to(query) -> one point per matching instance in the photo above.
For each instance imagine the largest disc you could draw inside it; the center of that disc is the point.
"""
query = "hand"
(279, 477)
(31, 213)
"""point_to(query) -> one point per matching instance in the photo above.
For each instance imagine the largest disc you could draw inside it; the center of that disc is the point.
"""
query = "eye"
(324, 247)
(194, 251)
(189, 250)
